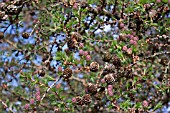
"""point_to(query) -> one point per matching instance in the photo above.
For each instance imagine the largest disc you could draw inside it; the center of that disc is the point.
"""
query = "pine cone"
(2, 6)
(25, 35)
(164, 61)
(57, 110)
(79, 101)
(71, 43)
(1, 35)
(109, 78)
(86, 99)
(3, 16)
(112, 69)
(116, 61)
(76, 36)
(12, 9)
(41, 73)
(94, 66)
(107, 57)
(99, 96)
(17, 2)
(67, 73)
(92, 88)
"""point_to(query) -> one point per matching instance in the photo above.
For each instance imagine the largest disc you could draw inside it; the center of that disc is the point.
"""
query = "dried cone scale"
(67, 73)
(94, 67)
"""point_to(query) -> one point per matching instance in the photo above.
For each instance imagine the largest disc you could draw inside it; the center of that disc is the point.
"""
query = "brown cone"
(67, 73)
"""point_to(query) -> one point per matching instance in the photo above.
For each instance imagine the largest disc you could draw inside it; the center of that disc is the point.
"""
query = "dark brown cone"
(94, 66)
(25, 35)
(109, 78)
(112, 69)
(79, 101)
(116, 61)
(57, 110)
(71, 43)
(164, 61)
(76, 36)
(99, 96)
(107, 57)
(86, 99)
(41, 73)
(92, 88)
(67, 73)
(18, 2)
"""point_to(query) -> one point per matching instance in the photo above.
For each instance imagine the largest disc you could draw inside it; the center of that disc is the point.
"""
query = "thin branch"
(11, 43)
(33, 28)
(6, 106)
(122, 9)
(7, 28)
(52, 85)
(79, 80)
(114, 10)
(72, 89)
(151, 56)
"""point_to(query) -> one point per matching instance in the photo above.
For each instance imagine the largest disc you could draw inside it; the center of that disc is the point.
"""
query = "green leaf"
(159, 105)
(58, 58)
(146, 1)
(138, 105)
(134, 81)
(139, 85)
(92, 79)
(114, 43)
(49, 78)
(125, 105)
(68, 101)
(54, 103)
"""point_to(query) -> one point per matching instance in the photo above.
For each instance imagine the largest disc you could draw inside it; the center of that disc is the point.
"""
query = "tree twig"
(52, 85)
(6, 106)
